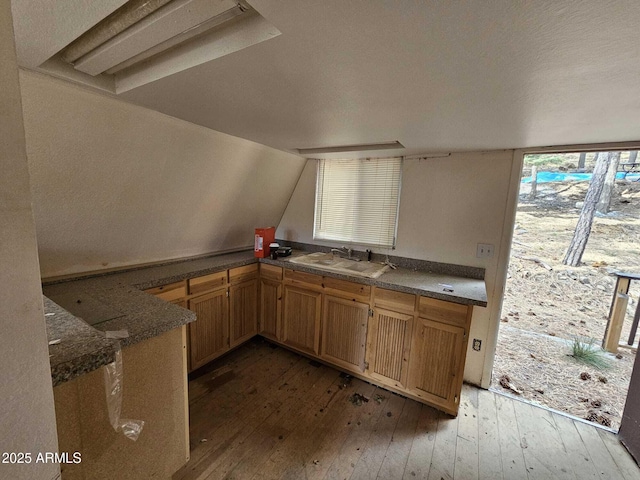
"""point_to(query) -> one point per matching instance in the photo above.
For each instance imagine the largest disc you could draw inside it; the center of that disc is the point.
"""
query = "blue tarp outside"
(546, 177)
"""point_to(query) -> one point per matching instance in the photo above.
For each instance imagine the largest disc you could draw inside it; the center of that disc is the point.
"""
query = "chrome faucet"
(342, 250)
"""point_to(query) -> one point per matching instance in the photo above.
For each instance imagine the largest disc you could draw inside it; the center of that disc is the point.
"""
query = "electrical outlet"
(477, 343)
(485, 250)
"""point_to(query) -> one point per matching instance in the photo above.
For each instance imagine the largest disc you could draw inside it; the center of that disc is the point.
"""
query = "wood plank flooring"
(263, 412)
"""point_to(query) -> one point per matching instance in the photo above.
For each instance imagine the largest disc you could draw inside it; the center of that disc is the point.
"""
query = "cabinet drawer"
(309, 279)
(442, 311)
(244, 273)
(207, 282)
(170, 292)
(270, 271)
(346, 289)
(396, 301)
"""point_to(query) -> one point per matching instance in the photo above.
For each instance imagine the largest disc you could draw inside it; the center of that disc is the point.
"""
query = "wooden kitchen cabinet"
(270, 321)
(436, 366)
(389, 340)
(207, 283)
(411, 344)
(243, 309)
(243, 303)
(439, 350)
(270, 309)
(344, 332)
(209, 334)
(301, 319)
(389, 347)
(173, 292)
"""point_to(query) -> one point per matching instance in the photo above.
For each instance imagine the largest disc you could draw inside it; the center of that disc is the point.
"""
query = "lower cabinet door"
(389, 347)
(209, 334)
(344, 332)
(301, 319)
(244, 311)
(436, 373)
(270, 309)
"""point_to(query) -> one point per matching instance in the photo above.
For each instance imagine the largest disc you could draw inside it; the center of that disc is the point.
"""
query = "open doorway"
(552, 312)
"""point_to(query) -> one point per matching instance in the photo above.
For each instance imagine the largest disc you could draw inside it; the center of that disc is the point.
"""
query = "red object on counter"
(264, 236)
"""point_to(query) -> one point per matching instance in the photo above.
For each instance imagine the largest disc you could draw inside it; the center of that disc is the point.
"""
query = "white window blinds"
(357, 201)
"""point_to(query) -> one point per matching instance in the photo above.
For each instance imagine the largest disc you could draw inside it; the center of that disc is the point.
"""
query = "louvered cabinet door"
(389, 347)
(209, 334)
(435, 371)
(244, 311)
(301, 319)
(270, 309)
(344, 332)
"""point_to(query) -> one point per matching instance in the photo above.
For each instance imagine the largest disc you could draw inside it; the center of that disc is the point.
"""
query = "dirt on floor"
(547, 305)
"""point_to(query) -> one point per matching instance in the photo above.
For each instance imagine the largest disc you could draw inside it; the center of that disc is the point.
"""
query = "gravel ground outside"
(548, 305)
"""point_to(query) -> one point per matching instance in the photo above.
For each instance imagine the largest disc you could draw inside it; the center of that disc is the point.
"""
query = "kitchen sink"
(335, 263)
(361, 266)
(329, 261)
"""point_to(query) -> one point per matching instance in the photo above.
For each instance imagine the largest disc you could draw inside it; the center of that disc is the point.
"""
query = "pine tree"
(609, 183)
(583, 227)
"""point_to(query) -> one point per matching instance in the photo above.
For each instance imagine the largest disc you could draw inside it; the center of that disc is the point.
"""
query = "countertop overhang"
(119, 300)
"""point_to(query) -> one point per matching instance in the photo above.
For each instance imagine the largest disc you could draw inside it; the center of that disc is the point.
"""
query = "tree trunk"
(609, 183)
(633, 156)
(534, 182)
(581, 160)
(583, 228)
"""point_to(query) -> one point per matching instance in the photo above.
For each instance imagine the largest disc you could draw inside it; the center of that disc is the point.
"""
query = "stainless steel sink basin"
(334, 263)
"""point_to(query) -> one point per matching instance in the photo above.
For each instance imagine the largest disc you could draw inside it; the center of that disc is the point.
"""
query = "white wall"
(447, 206)
(116, 184)
(27, 418)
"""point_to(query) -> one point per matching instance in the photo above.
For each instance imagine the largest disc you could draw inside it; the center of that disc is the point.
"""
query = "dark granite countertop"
(115, 301)
(78, 346)
(466, 291)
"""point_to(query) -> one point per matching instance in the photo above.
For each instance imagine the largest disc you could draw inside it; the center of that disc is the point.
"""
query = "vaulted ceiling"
(434, 75)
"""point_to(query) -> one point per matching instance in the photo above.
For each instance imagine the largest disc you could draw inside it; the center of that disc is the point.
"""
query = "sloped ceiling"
(437, 76)
(114, 184)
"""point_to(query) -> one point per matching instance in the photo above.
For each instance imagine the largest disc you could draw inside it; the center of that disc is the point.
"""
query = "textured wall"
(27, 419)
(447, 206)
(115, 184)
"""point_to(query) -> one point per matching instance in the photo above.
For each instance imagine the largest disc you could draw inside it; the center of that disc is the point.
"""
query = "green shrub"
(585, 350)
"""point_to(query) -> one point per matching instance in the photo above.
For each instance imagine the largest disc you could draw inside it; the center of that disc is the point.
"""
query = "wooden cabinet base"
(389, 347)
(436, 369)
(301, 320)
(442, 406)
(344, 332)
(270, 324)
(209, 334)
(154, 382)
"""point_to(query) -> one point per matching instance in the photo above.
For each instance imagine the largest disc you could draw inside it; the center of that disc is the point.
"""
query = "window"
(357, 201)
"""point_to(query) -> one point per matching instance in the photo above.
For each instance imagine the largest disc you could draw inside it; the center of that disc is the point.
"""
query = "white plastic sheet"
(113, 375)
